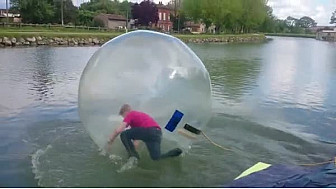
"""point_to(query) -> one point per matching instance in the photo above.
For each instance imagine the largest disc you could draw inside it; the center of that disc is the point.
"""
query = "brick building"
(164, 22)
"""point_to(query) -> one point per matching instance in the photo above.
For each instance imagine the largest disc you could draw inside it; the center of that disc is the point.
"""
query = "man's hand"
(111, 139)
(116, 132)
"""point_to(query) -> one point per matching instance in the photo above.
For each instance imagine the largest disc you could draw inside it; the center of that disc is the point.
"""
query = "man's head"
(124, 110)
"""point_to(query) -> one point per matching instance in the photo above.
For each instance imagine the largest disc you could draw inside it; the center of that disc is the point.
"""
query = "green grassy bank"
(291, 35)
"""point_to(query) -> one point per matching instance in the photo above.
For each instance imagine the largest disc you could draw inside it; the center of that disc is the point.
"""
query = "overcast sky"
(319, 10)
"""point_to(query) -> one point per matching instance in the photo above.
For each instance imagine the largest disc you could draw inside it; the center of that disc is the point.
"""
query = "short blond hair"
(124, 108)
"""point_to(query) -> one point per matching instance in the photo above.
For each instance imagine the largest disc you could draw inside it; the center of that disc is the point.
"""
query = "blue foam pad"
(174, 120)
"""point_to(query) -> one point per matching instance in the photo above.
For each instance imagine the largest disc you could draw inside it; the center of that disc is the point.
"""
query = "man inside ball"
(142, 127)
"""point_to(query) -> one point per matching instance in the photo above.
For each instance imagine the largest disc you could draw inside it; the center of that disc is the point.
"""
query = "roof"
(111, 17)
(162, 6)
(328, 31)
(192, 24)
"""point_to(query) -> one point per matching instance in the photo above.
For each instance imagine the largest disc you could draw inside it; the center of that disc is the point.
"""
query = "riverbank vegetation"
(224, 16)
(244, 16)
(101, 34)
(42, 35)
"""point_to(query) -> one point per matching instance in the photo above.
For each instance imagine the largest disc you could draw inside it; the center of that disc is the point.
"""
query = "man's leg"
(154, 146)
(137, 133)
(154, 149)
(128, 143)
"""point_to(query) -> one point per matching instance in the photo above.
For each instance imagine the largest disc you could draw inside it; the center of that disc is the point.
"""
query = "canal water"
(272, 102)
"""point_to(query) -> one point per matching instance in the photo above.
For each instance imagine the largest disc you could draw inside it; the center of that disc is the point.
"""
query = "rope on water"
(320, 163)
(212, 142)
(305, 164)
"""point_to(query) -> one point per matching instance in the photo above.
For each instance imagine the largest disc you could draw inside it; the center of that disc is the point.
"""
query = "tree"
(333, 18)
(254, 14)
(99, 6)
(270, 23)
(306, 22)
(87, 11)
(228, 15)
(70, 12)
(125, 8)
(178, 21)
(193, 8)
(146, 12)
(34, 11)
(85, 17)
(291, 21)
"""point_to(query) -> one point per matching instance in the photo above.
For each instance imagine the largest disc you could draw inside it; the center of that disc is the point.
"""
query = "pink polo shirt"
(140, 119)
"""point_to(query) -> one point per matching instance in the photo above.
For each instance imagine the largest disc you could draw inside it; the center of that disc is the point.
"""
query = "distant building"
(316, 29)
(326, 35)
(195, 27)
(164, 22)
(111, 21)
(12, 17)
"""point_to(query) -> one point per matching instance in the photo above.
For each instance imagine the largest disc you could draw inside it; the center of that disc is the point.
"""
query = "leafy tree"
(306, 22)
(333, 18)
(228, 15)
(34, 11)
(101, 6)
(146, 12)
(70, 12)
(125, 8)
(193, 8)
(254, 14)
(87, 11)
(85, 17)
(178, 21)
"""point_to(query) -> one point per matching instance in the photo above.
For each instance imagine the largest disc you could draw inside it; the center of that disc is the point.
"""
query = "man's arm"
(117, 131)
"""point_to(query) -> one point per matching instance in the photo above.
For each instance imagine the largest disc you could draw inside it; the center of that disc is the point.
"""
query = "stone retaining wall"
(227, 39)
(56, 41)
(51, 41)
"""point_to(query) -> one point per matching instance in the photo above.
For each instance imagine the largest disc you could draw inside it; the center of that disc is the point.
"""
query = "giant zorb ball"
(154, 73)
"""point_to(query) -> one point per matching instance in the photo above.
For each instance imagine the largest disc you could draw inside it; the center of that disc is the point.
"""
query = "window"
(160, 16)
(164, 16)
(169, 17)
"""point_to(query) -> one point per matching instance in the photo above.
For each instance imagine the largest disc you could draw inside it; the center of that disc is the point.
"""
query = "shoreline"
(313, 36)
(29, 39)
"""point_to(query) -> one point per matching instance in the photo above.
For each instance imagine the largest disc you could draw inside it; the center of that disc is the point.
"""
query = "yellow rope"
(212, 142)
(320, 163)
(307, 164)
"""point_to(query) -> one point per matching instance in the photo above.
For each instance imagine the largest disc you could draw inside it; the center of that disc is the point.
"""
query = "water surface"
(272, 102)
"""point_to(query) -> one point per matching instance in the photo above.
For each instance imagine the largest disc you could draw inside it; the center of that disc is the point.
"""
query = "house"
(326, 35)
(111, 21)
(316, 29)
(195, 27)
(164, 22)
(12, 17)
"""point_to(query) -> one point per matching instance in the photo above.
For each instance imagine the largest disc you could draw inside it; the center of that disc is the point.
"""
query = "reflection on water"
(286, 83)
(273, 102)
(234, 68)
(43, 80)
(297, 74)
